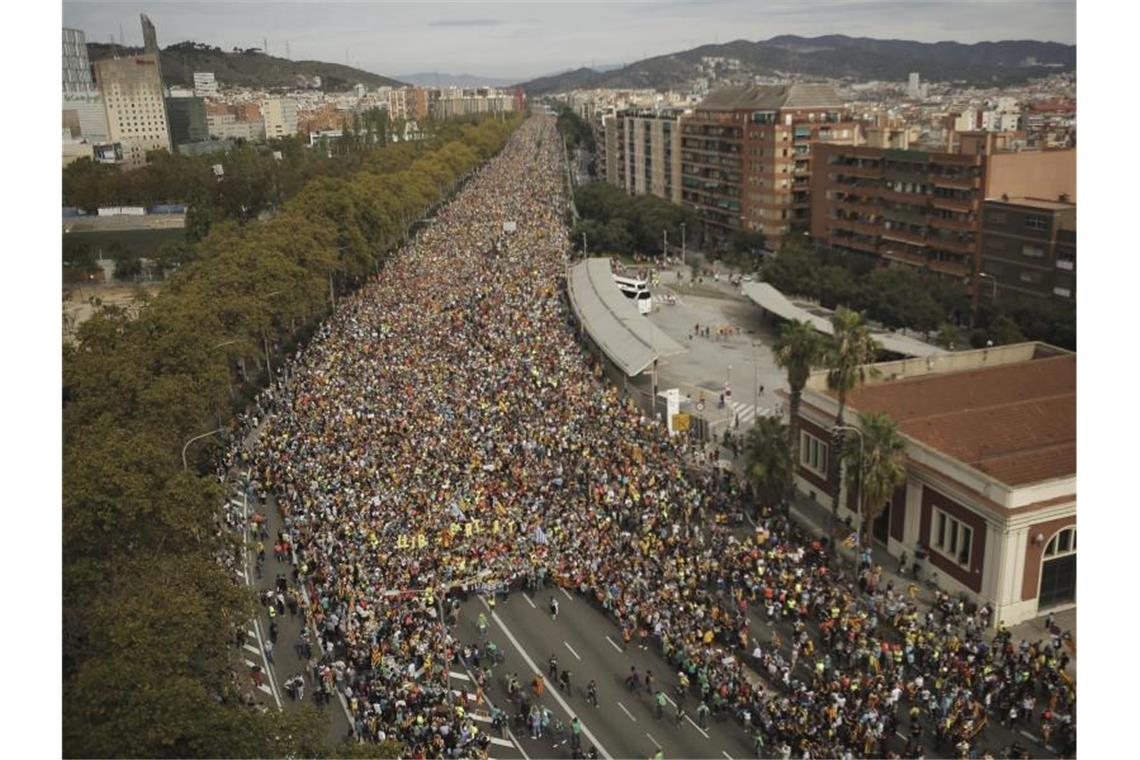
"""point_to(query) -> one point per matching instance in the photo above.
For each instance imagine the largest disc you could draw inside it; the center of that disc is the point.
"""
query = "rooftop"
(1040, 203)
(771, 97)
(1016, 422)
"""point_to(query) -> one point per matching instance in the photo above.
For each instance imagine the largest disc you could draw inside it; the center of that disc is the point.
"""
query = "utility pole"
(682, 244)
(584, 252)
(665, 244)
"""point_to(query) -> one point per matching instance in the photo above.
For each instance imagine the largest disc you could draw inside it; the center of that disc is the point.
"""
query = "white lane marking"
(480, 718)
(612, 644)
(899, 734)
(252, 648)
(572, 650)
(567, 593)
(529, 601)
(726, 754)
(264, 688)
(240, 574)
(627, 713)
(460, 676)
(501, 742)
(694, 725)
(668, 699)
(469, 696)
(268, 669)
(250, 664)
(655, 744)
(552, 692)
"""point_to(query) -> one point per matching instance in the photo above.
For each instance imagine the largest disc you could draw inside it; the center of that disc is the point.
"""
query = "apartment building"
(646, 148)
(205, 86)
(280, 117)
(226, 125)
(1029, 247)
(923, 208)
(76, 67)
(746, 155)
(407, 103)
(136, 111)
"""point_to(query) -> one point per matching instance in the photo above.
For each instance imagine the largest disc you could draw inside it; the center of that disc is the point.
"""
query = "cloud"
(466, 22)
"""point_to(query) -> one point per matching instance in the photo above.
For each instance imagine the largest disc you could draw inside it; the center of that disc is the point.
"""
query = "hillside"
(249, 68)
(438, 79)
(834, 56)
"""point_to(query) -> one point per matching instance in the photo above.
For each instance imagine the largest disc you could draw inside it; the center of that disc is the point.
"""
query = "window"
(952, 538)
(1033, 251)
(1037, 221)
(1062, 292)
(1063, 543)
(1032, 278)
(996, 217)
(813, 454)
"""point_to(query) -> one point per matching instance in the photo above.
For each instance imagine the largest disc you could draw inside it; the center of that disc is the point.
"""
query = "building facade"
(646, 156)
(923, 209)
(990, 490)
(280, 116)
(187, 120)
(204, 84)
(746, 155)
(136, 110)
(76, 68)
(1029, 247)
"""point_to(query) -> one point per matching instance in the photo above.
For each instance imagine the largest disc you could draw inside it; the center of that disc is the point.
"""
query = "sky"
(526, 40)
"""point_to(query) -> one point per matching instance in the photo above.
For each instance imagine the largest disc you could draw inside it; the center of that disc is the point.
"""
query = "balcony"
(1066, 265)
(952, 204)
(949, 244)
(852, 243)
(958, 183)
(852, 206)
(903, 256)
(916, 199)
(905, 236)
(917, 218)
(959, 225)
(918, 177)
(955, 268)
(850, 170)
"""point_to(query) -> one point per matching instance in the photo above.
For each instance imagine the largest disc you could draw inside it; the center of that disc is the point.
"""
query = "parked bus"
(636, 290)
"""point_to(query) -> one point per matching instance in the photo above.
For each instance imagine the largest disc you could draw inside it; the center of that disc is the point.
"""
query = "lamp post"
(195, 438)
(682, 244)
(837, 436)
(265, 342)
(993, 283)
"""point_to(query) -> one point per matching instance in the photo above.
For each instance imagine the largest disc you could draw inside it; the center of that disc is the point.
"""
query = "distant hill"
(435, 79)
(835, 56)
(249, 68)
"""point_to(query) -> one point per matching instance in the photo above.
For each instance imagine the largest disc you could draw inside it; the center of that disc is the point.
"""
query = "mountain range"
(245, 68)
(833, 56)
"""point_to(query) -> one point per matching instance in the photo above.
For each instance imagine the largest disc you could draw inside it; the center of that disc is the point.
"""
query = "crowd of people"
(444, 430)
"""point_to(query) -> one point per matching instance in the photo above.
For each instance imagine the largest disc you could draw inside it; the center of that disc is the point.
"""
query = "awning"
(772, 300)
(627, 337)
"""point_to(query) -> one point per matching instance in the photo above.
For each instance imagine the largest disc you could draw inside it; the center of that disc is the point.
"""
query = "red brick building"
(991, 470)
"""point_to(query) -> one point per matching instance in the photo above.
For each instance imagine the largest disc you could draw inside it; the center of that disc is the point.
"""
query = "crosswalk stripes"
(748, 413)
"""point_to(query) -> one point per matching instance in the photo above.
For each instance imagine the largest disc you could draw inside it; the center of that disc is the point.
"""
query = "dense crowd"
(444, 430)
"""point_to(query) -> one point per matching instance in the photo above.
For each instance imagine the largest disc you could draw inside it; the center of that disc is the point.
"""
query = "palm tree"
(766, 462)
(799, 350)
(875, 468)
(852, 348)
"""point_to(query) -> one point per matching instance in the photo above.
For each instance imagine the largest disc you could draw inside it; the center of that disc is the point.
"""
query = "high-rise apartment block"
(914, 86)
(408, 103)
(204, 84)
(76, 67)
(136, 112)
(643, 155)
(923, 209)
(280, 116)
(746, 155)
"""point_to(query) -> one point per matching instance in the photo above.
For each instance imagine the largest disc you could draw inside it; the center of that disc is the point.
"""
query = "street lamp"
(837, 437)
(265, 341)
(195, 438)
(993, 282)
(682, 244)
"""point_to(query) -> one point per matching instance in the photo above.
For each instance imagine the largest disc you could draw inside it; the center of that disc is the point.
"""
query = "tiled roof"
(1014, 422)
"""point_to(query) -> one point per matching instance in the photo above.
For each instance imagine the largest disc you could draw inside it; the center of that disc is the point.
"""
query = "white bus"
(636, 290)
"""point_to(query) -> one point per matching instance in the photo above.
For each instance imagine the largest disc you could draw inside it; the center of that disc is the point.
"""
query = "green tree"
(876, 467)
(852, 349)
(798, 350)
(767, 463)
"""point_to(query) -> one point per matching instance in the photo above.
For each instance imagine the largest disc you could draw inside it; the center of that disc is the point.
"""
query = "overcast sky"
(530, 39)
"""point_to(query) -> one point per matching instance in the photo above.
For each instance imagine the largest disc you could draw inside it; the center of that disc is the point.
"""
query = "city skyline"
(525, 41)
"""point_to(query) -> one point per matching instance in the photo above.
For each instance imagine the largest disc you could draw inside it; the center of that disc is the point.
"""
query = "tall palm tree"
(799, 350)
(766, 461)
(875, 468)
(852, 348)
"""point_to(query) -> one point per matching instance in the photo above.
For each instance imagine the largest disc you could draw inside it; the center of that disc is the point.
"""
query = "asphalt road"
(584, 641)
